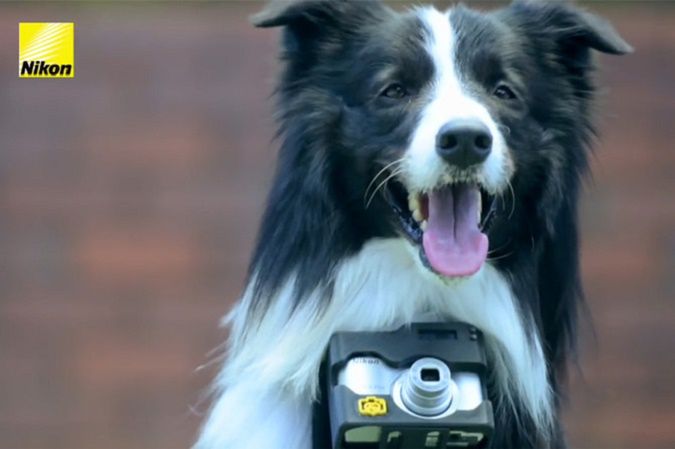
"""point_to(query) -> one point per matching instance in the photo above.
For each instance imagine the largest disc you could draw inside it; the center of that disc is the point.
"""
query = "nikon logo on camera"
(46, 50)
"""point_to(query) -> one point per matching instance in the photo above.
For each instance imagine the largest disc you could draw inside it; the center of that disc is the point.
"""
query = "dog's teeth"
(414, 207)
(423, 225)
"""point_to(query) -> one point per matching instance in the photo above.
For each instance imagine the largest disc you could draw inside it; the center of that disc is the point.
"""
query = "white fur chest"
(271, 375)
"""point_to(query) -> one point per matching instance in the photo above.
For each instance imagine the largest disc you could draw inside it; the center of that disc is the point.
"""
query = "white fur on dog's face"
(449, 99)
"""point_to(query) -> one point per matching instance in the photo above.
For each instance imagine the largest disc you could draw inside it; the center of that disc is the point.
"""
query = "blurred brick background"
(129, 201)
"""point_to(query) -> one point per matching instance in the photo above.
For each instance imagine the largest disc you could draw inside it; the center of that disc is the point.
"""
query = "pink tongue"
(452, 241)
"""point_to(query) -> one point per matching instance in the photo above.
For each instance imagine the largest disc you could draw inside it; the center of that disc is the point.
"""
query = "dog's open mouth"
(449, 224)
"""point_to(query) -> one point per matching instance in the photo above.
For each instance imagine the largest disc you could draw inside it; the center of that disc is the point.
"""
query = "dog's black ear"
(599, 34)
(309, 24)
(303, 13)
(571, 27)
(287, 12)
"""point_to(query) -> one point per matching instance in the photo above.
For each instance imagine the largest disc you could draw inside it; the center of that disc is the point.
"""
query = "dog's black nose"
(464, 142)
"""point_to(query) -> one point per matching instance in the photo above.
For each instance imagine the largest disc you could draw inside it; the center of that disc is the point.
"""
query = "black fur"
(336, 135)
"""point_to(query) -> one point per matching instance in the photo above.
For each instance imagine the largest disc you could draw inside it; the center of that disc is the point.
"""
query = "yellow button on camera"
(372, 406)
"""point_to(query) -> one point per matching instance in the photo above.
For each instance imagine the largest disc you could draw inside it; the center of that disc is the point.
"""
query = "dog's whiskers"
(503, 256)
(382, 171)
(496, 250)
(513, 199)
(395, 172)
(504, 129)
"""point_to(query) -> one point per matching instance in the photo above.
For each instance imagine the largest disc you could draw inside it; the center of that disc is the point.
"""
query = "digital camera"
(422, 386)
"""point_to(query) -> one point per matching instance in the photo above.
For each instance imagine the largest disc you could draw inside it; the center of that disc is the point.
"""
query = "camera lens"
(425, 388)
(430, 375)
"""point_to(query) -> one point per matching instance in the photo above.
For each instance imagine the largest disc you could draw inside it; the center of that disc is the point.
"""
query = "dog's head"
(433, 125)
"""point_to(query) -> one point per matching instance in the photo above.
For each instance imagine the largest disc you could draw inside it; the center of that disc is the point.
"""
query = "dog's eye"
(504, 92)
(395, 91)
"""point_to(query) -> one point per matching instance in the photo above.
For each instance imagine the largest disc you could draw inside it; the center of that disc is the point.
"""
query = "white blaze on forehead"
(448, 99)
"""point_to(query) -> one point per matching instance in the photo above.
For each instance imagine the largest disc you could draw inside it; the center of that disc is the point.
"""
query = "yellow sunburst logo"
(46, 50)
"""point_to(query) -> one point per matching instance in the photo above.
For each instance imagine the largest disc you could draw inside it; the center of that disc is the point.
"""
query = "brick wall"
(130, 196)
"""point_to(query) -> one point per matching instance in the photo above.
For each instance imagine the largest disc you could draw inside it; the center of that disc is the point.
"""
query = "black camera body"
(421, 386)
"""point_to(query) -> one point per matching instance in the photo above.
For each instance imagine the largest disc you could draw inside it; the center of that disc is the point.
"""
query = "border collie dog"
(429, 170)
